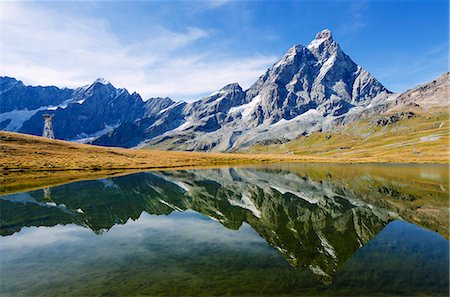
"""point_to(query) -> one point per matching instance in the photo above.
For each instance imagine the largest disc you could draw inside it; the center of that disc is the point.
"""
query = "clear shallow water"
(284, 230)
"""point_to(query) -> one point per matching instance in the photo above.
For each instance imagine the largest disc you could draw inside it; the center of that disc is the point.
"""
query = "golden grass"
(29, 161)
(26, 152)
(401, 142)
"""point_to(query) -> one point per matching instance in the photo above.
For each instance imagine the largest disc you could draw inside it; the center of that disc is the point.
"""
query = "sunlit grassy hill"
(30, 161)
(414, 137)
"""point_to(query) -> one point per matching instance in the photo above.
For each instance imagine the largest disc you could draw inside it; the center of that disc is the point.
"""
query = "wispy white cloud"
(211, 4)
(420, 69)
(356, 20)
(186, 226)
(45, 46)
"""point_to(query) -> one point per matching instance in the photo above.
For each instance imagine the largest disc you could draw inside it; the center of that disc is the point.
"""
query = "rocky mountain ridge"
(312, 88)
(306, 89)
(79, 113)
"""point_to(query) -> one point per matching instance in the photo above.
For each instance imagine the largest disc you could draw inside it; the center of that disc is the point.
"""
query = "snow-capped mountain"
(309, 89)
(184, 120)
(304, 91)
(80, 114)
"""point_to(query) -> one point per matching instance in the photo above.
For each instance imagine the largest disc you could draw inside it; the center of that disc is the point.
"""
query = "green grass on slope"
(422, 138)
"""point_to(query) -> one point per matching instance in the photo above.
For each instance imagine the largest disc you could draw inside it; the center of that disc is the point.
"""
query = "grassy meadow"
(420, 139)
(29, 161)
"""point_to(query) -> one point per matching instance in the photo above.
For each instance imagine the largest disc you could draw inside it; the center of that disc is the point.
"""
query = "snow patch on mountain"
(87, 138)
(102, 81)
(184, 126)
(183, 186)
(316, 43)
(310, 116)
(321, 37)
(18, 117)
(304, 196)
(246, 109)
(170, 205)
(327, 66)
(329, 249)
(246, 203)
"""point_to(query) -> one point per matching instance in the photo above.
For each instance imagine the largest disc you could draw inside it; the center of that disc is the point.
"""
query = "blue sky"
(187, 49)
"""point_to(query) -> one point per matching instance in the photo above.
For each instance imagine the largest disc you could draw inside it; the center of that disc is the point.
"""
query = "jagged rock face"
(186, 120)
(89, 111)
(217, 103)
(425, 96)
(16, 96)
(320, 76)
(147, 127)
(19, 102)
(155, 105)
(211, 113)
(302, 92)
(431, 95)
(95, 108)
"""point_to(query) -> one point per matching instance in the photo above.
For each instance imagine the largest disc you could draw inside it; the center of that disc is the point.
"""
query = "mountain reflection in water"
(315, 217)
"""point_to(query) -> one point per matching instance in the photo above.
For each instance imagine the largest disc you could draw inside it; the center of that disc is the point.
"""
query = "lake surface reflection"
(274, 230)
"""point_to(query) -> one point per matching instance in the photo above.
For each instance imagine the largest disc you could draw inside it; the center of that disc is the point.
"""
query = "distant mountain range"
(312, 88)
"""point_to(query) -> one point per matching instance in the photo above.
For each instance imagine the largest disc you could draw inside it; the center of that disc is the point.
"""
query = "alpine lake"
(272, 230)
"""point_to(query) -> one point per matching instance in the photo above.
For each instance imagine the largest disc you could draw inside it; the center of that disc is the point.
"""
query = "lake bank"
(30, 162)
(419, 193)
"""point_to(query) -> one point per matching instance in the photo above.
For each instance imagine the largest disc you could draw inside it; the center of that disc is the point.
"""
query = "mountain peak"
(324, 36)
(102, 81)
(294, 50)
(6, 81)
(231, 87)
(290, 56)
